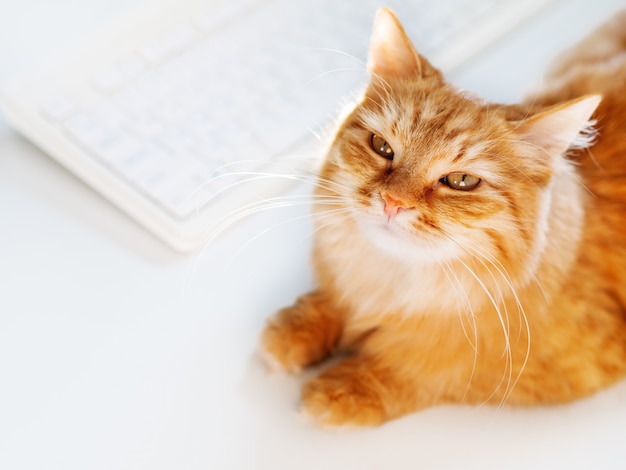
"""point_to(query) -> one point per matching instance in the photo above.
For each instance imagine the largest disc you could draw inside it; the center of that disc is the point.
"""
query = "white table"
(116, 353)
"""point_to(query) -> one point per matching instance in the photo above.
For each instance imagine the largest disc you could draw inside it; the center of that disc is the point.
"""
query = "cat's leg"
(302, 334)
(361, 391)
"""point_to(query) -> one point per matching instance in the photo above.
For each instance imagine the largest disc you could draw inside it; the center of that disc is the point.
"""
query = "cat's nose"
(392, 205)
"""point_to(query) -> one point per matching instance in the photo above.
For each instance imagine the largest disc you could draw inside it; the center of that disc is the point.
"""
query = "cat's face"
(428, 173)
(431, 174)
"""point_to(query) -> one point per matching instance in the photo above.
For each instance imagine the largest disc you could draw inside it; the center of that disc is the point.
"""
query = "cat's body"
(460, 257)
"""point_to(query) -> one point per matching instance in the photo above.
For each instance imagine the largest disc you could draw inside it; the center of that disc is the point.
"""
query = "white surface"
(116, 353)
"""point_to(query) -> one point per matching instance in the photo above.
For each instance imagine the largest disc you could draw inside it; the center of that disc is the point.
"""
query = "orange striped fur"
(512, 291)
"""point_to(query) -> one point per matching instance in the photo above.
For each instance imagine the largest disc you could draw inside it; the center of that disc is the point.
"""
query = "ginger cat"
(465, 251)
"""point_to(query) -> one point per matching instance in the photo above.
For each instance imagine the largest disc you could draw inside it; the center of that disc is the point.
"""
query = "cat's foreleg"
(360, 391)
(302, 334)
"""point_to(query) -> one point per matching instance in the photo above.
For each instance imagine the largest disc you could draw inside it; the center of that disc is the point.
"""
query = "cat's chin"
(393, 240)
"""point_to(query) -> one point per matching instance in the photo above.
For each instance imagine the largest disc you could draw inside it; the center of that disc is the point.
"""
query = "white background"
(116, 353)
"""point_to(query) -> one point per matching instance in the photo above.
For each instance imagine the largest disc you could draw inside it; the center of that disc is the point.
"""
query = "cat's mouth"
(391, 236)
(393, 229)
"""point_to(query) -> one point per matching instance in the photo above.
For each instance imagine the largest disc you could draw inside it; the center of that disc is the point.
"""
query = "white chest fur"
(372, 282)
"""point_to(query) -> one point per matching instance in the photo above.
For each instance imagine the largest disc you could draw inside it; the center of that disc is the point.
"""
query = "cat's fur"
(513, 292)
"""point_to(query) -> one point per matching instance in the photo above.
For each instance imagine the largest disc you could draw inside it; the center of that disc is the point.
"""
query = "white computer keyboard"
(190, 114)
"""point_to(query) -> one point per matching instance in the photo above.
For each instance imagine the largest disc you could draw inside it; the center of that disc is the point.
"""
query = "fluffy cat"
(465, 251)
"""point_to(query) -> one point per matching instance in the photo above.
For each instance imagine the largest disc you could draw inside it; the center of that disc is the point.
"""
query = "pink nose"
(392, 205)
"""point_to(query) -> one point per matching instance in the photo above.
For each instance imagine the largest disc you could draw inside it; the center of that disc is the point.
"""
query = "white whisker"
(483, 257)
(328, 72)
(338, 52)
(448, 271)
(285, 222)
(507, 348)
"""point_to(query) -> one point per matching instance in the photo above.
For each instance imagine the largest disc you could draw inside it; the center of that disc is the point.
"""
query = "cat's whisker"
(327, 215)
(306, 174)
(223, 223)
(507, 349)
(339, 52)
(485, 257)
(253, 208)
(330, 185)
(448, 271)
(521, 315)
(539, 285)
(329, 72)
(502, 318)
(251, 176)
(286, 222)
(259, 206)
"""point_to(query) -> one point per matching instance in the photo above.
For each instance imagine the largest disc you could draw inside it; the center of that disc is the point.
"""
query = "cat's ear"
(562, 126)
(392, 54)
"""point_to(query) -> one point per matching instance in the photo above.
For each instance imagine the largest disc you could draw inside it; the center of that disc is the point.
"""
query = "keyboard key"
(167, 44)
(118, 73)
(86, 131)
(59, 106)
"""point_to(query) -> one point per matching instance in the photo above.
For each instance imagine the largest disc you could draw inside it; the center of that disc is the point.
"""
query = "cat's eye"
(381, 147)
(461, 181)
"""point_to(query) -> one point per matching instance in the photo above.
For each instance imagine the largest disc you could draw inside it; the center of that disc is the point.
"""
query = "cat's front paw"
(345, 395)
(300, 335)
(282, 350)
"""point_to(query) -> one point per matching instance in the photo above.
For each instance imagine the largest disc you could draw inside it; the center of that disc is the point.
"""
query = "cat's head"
(427, 172)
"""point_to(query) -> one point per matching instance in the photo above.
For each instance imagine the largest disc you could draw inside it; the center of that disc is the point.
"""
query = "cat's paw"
(281, 351)
(344, 396)
(300, 335)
